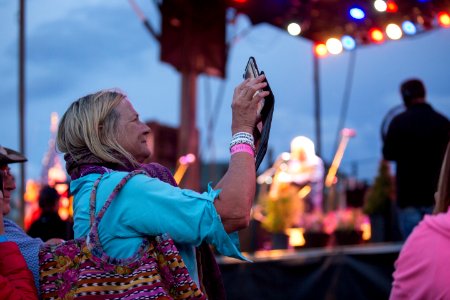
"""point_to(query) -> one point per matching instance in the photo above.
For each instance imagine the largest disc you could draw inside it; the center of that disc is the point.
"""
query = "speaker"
(193, 35)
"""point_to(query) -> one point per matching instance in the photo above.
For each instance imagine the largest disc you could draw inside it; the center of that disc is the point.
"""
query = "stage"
(341, 272)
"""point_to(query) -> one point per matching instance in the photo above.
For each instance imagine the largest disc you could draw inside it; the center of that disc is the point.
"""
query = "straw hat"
(8, 156)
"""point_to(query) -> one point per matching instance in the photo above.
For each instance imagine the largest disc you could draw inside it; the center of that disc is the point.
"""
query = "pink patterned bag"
(81, 269)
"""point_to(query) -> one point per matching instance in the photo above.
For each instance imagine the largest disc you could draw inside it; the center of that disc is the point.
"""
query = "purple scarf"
(87, 163)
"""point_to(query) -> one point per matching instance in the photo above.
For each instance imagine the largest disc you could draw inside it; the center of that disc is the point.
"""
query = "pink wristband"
(242, 148)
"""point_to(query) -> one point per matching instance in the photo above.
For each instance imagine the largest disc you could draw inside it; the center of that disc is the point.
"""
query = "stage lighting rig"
(354, 23)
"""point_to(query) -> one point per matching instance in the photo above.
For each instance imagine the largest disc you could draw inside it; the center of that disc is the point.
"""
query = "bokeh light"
(380, 5)
(294, 29)
(376, 35)
(444, 19)
(334, 46)
(392, 7)
(348, 42)
(409, 27)
(357, 13)
(394, 32)
(320, 50)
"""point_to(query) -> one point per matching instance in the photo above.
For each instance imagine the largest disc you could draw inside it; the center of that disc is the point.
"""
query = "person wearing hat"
(29, 247)
(16, 280)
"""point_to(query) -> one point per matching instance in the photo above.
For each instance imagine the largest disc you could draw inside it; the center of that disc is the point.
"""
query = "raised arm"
(239, 182)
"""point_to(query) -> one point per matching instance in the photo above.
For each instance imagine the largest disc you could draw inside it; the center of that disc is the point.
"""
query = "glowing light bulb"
(409, 27)
(348, 42)
(357, 13)
(394, 32)
(380, 5)
(294, 29)
(334, 46)
(376, 35)
(320, 50)
(392, 7)
(444, 19)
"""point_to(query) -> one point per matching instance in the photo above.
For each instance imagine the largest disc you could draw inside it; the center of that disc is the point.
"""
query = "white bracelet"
(243, 134)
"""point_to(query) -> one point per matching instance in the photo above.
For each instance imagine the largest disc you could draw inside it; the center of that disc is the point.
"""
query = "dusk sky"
(78, 47)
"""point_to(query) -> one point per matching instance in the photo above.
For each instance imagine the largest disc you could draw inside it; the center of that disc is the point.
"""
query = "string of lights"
(337, 26)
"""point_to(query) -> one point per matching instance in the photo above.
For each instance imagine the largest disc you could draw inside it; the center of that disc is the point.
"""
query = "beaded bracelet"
(243, 138)
(244, 135)
(243, 142)
(242, 148)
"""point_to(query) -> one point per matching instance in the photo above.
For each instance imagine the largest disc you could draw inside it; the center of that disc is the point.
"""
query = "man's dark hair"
(48, 197)
(412, 89)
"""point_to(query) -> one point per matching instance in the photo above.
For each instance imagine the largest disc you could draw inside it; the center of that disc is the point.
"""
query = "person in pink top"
(422, 270)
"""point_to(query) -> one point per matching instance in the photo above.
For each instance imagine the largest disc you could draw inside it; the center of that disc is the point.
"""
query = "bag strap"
(95, 220)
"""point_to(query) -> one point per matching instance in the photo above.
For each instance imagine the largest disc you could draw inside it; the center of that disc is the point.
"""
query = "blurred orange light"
(367, 231)
(64, 202)
(320, 50)
(392, 7)
(63, 212)
(444, 19)
(376, 35)
(32, 191)
(296, 237)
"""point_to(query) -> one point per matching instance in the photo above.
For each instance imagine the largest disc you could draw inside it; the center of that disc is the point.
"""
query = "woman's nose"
(147, 129)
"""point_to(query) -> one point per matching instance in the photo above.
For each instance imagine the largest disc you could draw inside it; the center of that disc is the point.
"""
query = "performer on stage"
(302, 169)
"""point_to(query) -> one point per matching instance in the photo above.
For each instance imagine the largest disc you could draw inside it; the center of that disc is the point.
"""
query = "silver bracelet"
(243, 134)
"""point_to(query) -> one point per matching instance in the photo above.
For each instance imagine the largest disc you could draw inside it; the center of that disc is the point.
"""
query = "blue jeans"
(409, 217)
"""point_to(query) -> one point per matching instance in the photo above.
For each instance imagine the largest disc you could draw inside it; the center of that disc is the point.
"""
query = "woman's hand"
(246, 98)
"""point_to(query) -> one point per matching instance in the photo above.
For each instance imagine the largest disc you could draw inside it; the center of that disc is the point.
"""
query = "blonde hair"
(302, 143)
(90, 123)
(443, 187)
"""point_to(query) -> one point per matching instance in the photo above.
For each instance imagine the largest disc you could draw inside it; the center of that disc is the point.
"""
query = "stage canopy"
(352, 22)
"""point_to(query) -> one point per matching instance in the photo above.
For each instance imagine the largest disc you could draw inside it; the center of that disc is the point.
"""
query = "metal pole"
(22, 108)
(316, 76)
(188, 133)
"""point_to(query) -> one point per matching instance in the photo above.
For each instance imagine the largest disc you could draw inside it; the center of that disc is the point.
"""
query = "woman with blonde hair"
(423, 267)
(104, 140)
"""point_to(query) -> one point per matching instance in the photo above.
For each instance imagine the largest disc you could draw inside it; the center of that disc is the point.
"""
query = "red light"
(320, 50)
(444, 19)
(240, 1)
(376, 35)
(392, 7)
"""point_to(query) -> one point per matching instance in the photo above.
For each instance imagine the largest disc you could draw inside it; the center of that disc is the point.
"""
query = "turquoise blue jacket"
(147, 206)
